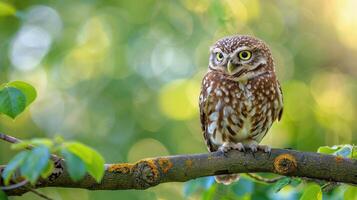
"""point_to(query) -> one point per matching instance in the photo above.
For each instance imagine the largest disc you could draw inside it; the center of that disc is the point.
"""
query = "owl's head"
(241, 56)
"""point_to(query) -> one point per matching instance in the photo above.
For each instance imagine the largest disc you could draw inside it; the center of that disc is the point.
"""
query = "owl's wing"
(203, 104)
(281, 101)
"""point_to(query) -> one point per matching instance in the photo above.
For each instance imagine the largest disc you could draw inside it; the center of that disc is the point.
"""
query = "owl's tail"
(227, 178)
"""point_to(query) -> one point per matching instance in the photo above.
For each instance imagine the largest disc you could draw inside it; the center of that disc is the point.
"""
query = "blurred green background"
(124, 76)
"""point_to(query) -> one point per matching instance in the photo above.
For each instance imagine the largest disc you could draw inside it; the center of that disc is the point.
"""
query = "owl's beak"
(231, 67)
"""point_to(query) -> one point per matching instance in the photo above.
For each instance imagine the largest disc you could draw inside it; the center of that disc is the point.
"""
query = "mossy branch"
(180, 168)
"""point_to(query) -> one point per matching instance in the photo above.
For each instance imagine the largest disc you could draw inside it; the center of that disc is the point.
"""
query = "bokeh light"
(345, 20)
(34, 39)
(124, 76)
(177, 99)
(140, 150)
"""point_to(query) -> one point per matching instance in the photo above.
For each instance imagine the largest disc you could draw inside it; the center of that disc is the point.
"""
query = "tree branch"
(153, 171)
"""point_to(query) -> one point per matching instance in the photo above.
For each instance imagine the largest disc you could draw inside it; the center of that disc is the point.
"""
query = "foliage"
(37, 163)
(312, 192)
(350, 193)
(3, 195)
(285, 182)
(34, 159)
(347, 150)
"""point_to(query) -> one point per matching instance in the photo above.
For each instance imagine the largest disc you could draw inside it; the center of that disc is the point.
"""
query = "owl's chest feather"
(238, 111)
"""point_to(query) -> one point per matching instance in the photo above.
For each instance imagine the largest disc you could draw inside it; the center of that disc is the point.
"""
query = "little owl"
(240, 97)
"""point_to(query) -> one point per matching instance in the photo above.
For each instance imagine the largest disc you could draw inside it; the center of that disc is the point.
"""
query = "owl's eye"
(219, 56)
(245, 55)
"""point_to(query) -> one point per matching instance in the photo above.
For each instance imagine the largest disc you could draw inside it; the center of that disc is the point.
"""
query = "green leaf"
(93, 161)
(312, 192)
(12, 101)
(243, 187)
(354, 152)
(210, 193)
(190, 187)
(3, 196)
(295, 181)
(33, 142)
(351, 193)
(327, 149)
(35, 163)
(75, 166)
(6, 9)
(20, 146)
(13, 165)
(28, 90)
(281, 184)
(47, 170)
(42, 141)
(345, 150)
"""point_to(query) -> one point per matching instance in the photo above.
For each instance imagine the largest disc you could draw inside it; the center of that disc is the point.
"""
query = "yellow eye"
(219, 56)
(245, 55)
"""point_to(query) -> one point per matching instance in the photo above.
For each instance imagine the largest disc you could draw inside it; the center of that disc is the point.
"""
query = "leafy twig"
(15, 140)
(14, 186)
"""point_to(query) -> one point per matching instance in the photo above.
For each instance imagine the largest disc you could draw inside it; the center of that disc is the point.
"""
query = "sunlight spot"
(89, 58)
(33, 41)
(146, 148)
(179, 99)
(331, 92)
(198, 6)
(29, 47)
(346, 22)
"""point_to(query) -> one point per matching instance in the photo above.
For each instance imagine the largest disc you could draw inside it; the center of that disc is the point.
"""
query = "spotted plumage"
(240, 96)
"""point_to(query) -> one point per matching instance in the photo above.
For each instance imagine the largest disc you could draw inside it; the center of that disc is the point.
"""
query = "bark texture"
(153, 171)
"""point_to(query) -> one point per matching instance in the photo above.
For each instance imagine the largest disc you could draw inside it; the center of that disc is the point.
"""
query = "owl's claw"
(231, 146)
(265, 148)
(253, 147)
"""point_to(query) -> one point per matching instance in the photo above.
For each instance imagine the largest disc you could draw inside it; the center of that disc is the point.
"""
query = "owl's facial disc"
(241, 62)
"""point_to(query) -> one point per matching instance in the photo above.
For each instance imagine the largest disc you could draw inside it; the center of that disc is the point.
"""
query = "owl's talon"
(265, 148)
(253, 147)
(238, 146)
(231, 146)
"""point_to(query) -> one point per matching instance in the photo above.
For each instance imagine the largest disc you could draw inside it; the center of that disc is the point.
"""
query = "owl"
(240, 97)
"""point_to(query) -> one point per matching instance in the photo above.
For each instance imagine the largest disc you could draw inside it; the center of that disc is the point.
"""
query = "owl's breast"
(238, 111)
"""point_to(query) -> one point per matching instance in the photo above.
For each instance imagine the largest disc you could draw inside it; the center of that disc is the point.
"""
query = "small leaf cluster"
(345, 150)
(36, 162)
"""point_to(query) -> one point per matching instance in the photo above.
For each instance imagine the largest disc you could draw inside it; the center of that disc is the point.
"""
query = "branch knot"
(146, 174)
(285, 164)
